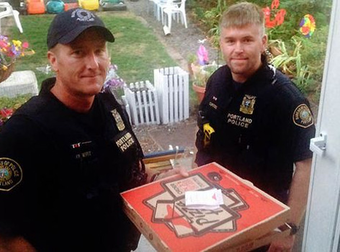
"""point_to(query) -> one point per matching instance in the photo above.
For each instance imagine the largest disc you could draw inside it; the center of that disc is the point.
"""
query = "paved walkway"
(179, 44)
(182, 42)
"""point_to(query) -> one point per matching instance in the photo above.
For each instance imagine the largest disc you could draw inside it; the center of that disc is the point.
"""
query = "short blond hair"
(242, 14)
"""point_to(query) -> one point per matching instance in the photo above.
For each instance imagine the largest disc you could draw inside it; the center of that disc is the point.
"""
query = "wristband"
(293, 228)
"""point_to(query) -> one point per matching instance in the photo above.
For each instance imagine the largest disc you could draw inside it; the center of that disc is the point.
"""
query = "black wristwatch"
(293, 228)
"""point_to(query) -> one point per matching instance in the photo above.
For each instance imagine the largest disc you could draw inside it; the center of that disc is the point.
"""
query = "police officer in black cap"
(253, 120)
(67, 153)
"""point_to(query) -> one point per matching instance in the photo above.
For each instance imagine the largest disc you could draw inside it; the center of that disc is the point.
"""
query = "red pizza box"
(250, 244)
(158, 210)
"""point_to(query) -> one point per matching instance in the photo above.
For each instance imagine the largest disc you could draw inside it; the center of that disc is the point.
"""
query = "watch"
(293, 228)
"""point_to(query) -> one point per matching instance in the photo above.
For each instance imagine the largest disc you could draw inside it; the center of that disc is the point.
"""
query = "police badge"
(247, 105)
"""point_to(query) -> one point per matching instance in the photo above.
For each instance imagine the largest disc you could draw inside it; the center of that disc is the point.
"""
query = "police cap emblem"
(10, 174)
(302, 116)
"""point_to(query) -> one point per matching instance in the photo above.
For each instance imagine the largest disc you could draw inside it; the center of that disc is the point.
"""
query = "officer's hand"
(16, 244)
(282, 245)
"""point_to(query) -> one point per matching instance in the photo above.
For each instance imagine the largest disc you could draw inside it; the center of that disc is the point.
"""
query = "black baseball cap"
(68, 25)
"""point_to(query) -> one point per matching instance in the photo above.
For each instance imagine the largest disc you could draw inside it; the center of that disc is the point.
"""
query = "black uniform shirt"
(61, 173)
(261, 128)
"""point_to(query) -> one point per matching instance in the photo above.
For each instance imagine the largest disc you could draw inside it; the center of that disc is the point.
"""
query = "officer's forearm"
(299, 190)
(15, 244)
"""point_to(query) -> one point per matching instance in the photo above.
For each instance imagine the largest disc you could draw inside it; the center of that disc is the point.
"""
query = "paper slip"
(210, 199)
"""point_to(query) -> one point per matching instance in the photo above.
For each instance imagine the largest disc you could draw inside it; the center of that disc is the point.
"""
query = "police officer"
(67, 153)
(253, 120)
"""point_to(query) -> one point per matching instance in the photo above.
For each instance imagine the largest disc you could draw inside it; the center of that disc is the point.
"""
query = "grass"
(136, 50)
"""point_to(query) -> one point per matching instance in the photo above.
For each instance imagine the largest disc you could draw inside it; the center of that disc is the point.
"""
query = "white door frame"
(322, 226)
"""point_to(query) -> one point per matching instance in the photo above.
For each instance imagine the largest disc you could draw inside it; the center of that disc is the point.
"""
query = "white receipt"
(210, 199)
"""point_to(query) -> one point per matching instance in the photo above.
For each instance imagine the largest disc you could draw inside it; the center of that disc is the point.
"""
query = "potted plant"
(201, 74)
(10, 50)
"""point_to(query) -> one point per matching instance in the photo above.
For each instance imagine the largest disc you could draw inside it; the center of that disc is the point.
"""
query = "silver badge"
(119, 121)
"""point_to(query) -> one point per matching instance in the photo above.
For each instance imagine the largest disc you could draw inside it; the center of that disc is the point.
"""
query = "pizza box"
(247, 216)
(250, 244)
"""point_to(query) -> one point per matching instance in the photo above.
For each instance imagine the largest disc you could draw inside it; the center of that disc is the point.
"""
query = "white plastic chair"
(6, 10)
(160, 6)
(175, 8)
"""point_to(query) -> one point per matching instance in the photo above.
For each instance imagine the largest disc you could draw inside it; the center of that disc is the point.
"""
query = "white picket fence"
(126, 106)
(172, 85)
(143, 104)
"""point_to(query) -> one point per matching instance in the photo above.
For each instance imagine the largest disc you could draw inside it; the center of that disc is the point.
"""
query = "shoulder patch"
(10, 174)
(302, 116)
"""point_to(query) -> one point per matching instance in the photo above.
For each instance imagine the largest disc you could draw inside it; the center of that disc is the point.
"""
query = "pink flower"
(25, 45)
(202, 55)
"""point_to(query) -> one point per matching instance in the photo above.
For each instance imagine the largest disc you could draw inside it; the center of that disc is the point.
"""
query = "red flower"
(305, 30)
(280, 16)
(6, 113)
(275, 4)
(266, 12)
(270, 23)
